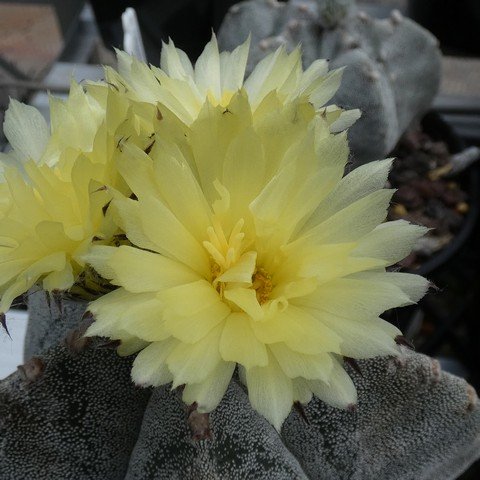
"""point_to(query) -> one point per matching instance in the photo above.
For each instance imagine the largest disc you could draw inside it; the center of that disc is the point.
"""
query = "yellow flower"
(48, 225)
(252, 250)
(52, 194)
(183, 88)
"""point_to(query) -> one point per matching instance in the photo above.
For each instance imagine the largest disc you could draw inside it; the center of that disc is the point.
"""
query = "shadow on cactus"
(211, 219)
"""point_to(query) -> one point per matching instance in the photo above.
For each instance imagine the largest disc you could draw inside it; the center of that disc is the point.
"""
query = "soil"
(425, 194)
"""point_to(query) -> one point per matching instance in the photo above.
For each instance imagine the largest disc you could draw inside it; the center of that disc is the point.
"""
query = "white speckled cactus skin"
(71, 412)
(393, 65)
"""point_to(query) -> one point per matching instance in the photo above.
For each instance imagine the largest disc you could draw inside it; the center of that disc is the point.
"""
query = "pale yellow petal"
(299, 330)
(294, 364)
(327, 88)
(361, 182)
(26, 130)
(340, 392)
(346, 119)
(413, 286)
(141, 271)
(193, 363)
(99, 257)
(246, 300)
(352, 222)
(59, 280)
(362, 337)
(232, 67)
(190, 298)
(126, 214)
(270, 392)
(301, 391)
(174, 61)
(391, 241)
(208, 393)
(355, 297)
(171, 237)
(207, 69)
(242, 271)
(150, 367)
(193, 327)
(239, 344)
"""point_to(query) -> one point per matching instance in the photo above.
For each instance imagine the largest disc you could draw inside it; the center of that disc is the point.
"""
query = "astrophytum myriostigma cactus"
(71, 412)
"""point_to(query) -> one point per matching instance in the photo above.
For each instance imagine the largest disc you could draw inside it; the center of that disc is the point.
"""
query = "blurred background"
(44, 43)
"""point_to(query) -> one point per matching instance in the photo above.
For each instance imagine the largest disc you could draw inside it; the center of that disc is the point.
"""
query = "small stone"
(264, 44)
(462, 207)
(363, 16)
(399, 210)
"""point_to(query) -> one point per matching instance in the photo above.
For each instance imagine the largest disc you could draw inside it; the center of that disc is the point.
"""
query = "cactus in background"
(73, 412)
(393, 65)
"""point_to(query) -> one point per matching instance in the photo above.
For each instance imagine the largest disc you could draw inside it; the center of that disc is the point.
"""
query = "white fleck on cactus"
(393, 65)
(72, 412)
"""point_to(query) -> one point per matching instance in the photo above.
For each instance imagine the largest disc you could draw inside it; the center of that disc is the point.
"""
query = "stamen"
(262, 284)
(230, 259)
(217, 256)
(213, 238)
(220, 233)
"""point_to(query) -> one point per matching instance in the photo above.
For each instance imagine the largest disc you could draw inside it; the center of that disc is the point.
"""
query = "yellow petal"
(294, 364)
(299, 330)
(242, 271)
(190, 298)
(340, 392)
(174, 61)
(239, 344)
(150, 367)
(171, 238)
(301, 391)
(126, 214)
(245, 299)
(207, 69)
(361, 182)
(355, 298)
(208, 393)
(26, 130)
(141, 271)
(413, 286)
(232, 67)
(193, 363)
(193, 327)
(270, 392)
(391, 241)
(362, 337)
(354, 221)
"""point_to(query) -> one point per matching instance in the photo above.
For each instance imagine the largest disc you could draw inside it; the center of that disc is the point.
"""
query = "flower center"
(262, 284)
(234, 266)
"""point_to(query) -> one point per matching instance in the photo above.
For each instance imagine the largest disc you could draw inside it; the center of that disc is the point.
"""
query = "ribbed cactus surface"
(71, 412)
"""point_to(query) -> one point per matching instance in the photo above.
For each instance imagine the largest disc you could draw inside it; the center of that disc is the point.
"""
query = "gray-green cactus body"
(51, 318)
(73, 413)
(393, 65)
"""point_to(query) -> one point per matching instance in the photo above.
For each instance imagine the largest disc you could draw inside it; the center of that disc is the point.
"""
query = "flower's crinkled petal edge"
(26, 130)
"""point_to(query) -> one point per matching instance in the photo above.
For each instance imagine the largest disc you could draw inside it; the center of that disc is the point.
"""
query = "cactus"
(72, 412)
(393, 65)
